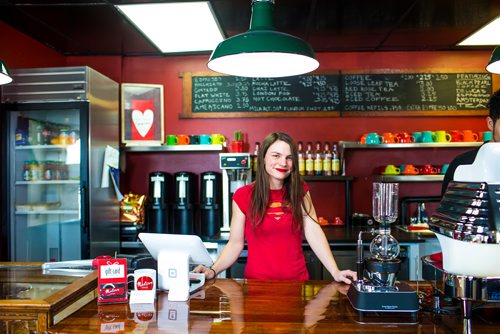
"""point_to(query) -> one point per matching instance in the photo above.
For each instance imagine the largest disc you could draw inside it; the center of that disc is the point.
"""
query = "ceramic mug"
(427, 137)
(428, 169)
(444, 168)
(144, 279)
(410, 170)
(388, 138)
(442, 136)
(218, 139)
(182, 140)
(456, 136)
(405, 137)
(418, 136)
(373, 138)
(486, 135)
(362, 140)
(470, 136)
(194, 139)
(171, 140)
(391, 170)
(205, 139)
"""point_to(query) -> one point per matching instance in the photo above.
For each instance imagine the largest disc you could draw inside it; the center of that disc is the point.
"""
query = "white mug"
(144, 279)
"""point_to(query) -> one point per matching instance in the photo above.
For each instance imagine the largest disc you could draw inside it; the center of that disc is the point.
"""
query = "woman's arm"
(319, 244)
(233, 248)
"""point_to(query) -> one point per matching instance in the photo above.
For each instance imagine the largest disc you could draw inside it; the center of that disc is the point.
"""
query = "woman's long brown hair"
(293, 185)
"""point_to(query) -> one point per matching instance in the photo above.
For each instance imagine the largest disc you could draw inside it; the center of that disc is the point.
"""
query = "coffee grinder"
(236, 173)
(379, 291)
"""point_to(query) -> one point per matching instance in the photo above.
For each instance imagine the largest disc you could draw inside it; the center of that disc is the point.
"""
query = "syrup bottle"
(327, 160)
(335, 161)
(301, 158)
(318, 160)
(309, 159)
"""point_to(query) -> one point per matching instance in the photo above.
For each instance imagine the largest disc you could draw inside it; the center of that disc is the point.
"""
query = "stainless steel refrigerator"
(56, 125)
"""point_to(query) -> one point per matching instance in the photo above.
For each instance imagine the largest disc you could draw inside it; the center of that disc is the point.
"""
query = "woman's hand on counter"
(209, 272)
(345, 276)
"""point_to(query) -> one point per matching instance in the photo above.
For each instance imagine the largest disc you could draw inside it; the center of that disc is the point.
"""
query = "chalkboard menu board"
(300, 93)
(416, 91)
(346, 93)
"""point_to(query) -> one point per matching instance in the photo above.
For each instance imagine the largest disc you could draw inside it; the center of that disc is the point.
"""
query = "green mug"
(487, 135)
(171, 140)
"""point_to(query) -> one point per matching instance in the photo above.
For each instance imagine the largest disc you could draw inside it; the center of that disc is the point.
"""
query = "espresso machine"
(467, 225)
(378, 290)
(236, 172)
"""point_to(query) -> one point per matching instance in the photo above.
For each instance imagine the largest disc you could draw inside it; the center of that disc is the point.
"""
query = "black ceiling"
(97, 28)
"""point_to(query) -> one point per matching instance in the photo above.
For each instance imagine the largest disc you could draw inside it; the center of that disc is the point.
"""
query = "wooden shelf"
(410, 178)
(173, 148)
(357, 145)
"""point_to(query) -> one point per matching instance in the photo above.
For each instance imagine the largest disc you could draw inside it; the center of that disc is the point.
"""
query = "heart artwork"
(143, 121)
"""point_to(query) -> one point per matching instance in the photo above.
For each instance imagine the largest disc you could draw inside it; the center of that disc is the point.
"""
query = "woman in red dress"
(273, 214)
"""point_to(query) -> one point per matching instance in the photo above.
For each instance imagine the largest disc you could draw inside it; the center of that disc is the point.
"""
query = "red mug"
(405, 137)
(428, 169)
(456, 136)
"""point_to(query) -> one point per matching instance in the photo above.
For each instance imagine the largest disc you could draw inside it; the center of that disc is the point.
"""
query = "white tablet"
(190, 244)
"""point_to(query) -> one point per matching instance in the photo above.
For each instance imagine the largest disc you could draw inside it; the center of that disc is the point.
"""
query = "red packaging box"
(112, 281)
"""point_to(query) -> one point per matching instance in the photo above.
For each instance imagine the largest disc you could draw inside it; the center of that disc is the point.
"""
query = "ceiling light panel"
(487, 35)
(176, 27)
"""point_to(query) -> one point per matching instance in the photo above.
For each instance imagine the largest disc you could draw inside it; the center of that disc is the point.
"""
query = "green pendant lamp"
(5, 77)
(262, 51)
(494, 63)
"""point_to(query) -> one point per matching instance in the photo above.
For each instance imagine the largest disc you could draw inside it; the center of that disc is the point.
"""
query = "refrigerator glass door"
(45, 194)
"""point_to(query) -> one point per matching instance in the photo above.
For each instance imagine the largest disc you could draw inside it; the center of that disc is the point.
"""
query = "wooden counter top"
(262, 306)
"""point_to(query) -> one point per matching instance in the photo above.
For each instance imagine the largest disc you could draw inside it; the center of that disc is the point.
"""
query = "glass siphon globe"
(384, 247)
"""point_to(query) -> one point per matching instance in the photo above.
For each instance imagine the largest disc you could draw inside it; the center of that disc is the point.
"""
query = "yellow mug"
(218, 139)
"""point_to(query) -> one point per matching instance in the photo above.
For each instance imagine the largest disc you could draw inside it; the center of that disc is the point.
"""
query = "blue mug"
(205, 139)
(374, 138)
(427, 137)
(444, 168)
(417, 136)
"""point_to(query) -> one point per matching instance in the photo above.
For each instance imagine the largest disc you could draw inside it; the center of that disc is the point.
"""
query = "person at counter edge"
(468, 157)
(272, 214)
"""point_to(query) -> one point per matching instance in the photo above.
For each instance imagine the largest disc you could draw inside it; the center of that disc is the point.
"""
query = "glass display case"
(31, 300)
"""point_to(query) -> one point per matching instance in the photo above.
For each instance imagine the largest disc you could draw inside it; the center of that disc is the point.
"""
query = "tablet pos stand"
(174, 253)
(174, 275)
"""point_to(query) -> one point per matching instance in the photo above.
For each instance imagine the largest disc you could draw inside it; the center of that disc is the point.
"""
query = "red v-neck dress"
(274, 247)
